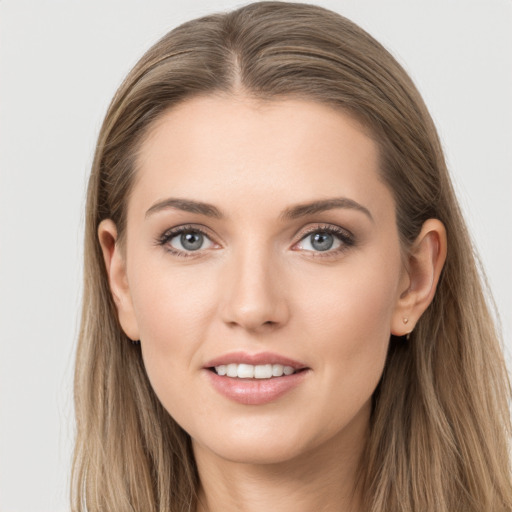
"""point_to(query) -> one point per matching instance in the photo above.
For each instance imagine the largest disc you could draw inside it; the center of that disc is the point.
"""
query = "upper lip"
(254, 359)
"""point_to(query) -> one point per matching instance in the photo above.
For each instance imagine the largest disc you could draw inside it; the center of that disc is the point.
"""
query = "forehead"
(237, 149)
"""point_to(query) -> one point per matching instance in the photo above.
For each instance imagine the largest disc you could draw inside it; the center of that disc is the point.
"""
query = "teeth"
(249, 371)
(277, 370)
(245, 371)
(288, 370)
(263, 371)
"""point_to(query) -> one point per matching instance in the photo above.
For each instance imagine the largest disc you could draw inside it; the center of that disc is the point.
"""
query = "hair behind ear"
(115, 265)
(425, 261)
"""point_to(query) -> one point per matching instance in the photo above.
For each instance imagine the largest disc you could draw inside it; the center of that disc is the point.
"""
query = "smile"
(255, 379)
(250, 371)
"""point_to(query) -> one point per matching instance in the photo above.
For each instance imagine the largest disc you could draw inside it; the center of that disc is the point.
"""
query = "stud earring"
(405, 320)
(135, 342)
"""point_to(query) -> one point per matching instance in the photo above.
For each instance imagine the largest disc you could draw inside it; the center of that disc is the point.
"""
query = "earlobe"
(424, 264)
(115, 265)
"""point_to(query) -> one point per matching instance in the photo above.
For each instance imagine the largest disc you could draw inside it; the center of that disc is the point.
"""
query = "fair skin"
(257, 277)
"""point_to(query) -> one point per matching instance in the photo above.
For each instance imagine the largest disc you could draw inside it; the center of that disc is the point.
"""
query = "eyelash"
(168, 235)
(345, 237)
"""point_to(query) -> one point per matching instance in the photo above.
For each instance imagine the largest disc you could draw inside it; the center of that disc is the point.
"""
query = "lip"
(254, 359)
(255, 391)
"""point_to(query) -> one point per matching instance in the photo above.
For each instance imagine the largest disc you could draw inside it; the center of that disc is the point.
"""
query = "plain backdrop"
(60, 63)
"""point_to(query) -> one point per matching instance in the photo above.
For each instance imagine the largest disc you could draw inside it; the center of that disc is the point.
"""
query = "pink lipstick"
(254, 379)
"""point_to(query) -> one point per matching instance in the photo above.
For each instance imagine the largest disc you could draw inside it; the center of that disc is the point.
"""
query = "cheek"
(172, 304)
(357, 298)
(174, 311)
(348, 314)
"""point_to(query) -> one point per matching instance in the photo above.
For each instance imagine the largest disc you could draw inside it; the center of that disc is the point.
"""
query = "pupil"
(192, 241)
(322, 241)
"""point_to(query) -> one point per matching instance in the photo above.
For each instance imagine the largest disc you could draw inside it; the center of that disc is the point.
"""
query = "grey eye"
(190, 241)
(322, 241)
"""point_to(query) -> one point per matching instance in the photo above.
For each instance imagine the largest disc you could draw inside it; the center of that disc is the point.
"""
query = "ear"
(115, 263)
(424, 264)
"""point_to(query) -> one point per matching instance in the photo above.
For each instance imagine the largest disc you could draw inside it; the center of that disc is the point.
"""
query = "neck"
(323, 479)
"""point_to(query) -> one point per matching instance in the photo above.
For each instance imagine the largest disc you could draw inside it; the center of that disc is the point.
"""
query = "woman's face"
(260, 240)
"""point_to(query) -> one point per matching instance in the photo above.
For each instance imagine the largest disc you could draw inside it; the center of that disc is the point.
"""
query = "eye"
(320, 241)
(190, 241)
(327, 239)
(185, 239)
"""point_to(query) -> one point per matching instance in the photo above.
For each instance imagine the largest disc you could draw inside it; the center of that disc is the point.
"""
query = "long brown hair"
(441, 424)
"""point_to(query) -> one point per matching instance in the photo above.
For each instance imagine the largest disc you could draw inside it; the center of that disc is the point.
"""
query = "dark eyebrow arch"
(294, 212)
(302, 210)
(187, 206)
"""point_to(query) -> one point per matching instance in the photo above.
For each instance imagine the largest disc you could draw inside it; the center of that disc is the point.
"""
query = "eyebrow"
(294, 212)
(187, 206)
(302, 210)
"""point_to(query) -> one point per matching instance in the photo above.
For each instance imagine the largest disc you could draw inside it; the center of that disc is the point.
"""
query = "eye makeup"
(320, 240)
(192, 239)
(325, 241)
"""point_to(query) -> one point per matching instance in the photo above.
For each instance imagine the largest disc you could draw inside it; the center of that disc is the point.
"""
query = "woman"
(281, 305)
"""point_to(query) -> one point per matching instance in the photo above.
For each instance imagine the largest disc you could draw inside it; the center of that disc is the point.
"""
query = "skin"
(258, 285)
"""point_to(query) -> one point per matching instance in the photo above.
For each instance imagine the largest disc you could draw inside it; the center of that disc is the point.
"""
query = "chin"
(276, 442)
(251, 452)
(265, 442)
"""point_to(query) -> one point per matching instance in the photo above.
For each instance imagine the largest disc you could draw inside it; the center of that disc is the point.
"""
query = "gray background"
(60, 63)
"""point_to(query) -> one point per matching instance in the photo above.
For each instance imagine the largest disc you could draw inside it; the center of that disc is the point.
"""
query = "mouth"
(266, 365)
(251, 371)
(255, 379)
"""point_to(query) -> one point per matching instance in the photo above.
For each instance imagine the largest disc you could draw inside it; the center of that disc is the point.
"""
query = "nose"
(254, 292)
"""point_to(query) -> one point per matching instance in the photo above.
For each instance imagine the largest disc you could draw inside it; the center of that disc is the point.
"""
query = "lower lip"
(255, 391)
